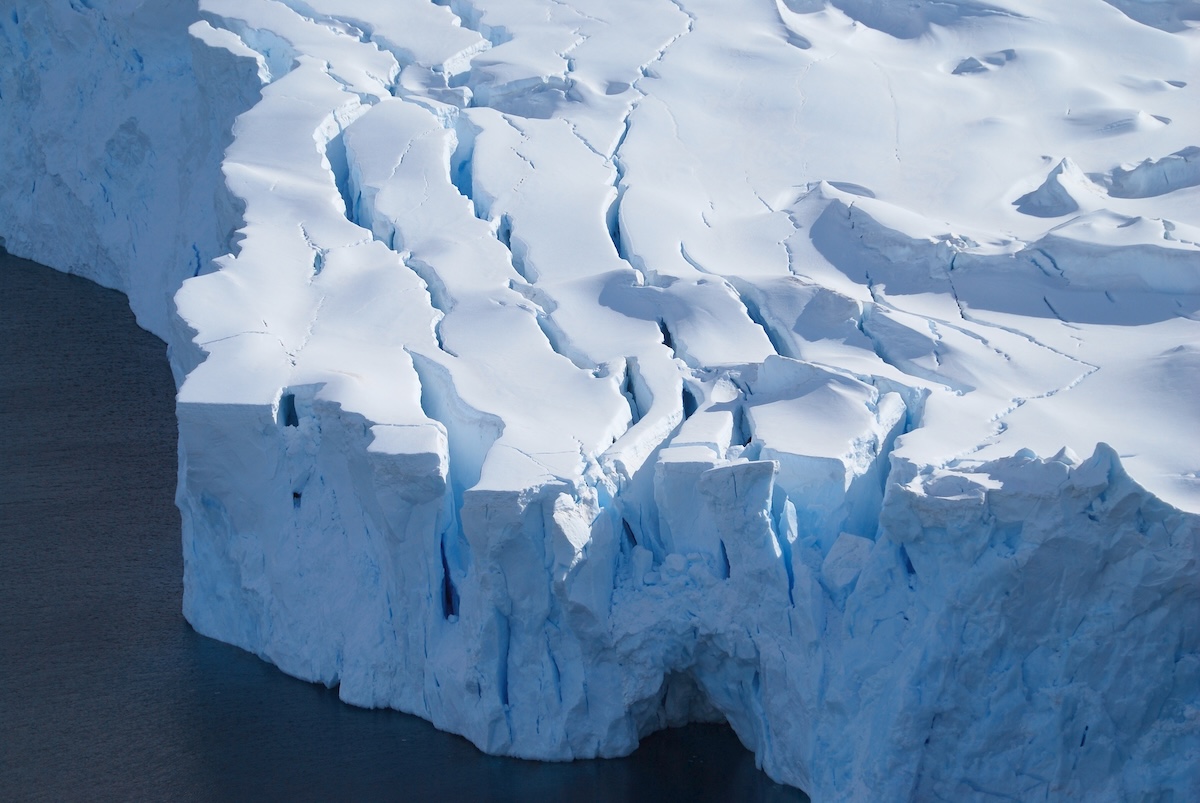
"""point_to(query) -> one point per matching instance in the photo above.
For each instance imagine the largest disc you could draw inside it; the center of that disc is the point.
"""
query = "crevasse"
(563, 374)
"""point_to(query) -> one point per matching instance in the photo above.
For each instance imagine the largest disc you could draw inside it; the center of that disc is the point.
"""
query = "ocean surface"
(106, 693)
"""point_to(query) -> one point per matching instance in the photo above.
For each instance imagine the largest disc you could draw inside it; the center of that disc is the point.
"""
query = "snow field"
(576, 370)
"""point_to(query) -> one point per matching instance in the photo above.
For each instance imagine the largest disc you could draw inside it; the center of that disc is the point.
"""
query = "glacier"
(560, 372)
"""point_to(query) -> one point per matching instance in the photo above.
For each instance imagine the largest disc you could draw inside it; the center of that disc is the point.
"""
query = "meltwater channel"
(106, 693)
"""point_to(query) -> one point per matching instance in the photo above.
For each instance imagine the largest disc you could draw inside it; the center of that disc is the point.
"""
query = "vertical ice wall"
(566, 379)
(112, 150)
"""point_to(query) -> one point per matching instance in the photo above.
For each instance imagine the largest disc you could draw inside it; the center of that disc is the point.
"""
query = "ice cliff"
(564, 371)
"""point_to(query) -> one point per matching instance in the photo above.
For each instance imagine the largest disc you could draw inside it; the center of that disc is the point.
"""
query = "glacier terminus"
(564, 370)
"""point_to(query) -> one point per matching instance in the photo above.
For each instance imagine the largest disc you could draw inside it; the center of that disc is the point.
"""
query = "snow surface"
(582, 368)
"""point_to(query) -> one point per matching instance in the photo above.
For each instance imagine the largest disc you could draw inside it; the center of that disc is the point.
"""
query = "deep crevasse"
(567, 379)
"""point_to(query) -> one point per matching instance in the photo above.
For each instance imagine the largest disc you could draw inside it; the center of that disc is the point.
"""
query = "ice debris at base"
(561, 372)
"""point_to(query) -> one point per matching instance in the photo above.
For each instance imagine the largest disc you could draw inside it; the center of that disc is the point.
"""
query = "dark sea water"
(106, 693)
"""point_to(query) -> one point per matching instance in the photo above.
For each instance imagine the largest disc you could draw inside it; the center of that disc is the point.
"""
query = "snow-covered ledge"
(563, 372)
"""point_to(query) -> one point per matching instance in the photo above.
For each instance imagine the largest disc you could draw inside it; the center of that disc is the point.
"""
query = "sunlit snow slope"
(584, 367)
